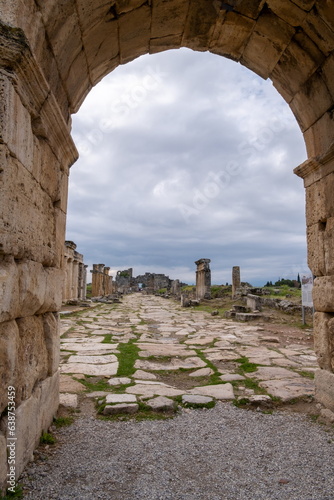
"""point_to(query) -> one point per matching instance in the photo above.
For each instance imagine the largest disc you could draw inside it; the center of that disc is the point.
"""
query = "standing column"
(235, 280)
(203, 279)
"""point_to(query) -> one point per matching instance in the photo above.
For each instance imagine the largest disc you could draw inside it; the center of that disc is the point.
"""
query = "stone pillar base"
(324, 388)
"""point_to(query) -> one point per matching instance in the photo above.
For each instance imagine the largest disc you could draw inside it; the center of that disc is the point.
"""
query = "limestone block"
(325, 10)
(33, 417)
(327, 73)
(288, 11)
(234, 34)
(319, 200)
(323, 294)
(311, 102)
(298, 62)
(328, 239)
(63, 30)
(60, 225)
(32, 286)
(134, 33)
(200, 25)
(53, 295)
(32, 356)
(305, 4)
(168, 18)
(90, 13)
(123, 6)
(320, 135)
(9, 289)
(27, 216)
(321, 339)
(316, 250)
(319, 31)
(19, 140)
(248, 8)
(3, 458)
(9, 340)
(324, 388)
(269, 39)
(101, 45)
(52, 341)
(78, 82)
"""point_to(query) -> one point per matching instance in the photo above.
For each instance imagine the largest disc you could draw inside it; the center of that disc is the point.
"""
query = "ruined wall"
(51, 54)
(75, 274)
(102, 283)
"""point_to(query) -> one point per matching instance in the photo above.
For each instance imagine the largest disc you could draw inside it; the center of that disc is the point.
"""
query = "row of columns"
(75, 277)
(102, 283)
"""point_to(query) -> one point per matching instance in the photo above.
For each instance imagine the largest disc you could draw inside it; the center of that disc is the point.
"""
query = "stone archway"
(51, 54)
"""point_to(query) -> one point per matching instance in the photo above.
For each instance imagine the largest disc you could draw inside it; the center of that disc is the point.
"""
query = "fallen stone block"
(122, 408)
(196, 400)
(161, 403)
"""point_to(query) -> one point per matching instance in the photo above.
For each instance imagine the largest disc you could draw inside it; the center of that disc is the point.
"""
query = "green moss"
(128, 354)
(246, 366)
(47, 438)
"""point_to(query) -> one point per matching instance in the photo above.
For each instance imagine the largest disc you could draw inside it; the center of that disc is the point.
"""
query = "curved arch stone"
(52, 52)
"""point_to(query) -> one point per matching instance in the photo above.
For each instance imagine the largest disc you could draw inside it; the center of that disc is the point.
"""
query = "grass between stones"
(246, 366)
(215, 377)
(62, 421)
(18, 493)
(128, 354)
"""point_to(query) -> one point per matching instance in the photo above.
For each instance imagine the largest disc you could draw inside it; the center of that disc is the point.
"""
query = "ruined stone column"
(203, 279)
(235, 280)
(106, 281)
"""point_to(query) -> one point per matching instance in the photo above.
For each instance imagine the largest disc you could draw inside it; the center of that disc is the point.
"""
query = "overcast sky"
(187, 155)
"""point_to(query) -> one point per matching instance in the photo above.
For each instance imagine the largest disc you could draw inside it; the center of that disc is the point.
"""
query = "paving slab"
(175, 364)
(67, 384)
(121, 408)
(219, 391)
(273, 373)
(229, 377)
(142, 375)
(120, 398)
(288, 389)
(88, 346)
(95, 360)
(105, 370)
(146, 390)
(69, 400)
(196, 399)
(119, 381)
(202, 372)
(161, 403)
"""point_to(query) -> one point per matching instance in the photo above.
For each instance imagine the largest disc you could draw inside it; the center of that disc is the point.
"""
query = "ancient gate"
(51, 54)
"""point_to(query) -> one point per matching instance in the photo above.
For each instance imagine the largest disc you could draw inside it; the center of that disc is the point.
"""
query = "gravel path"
(223, 453)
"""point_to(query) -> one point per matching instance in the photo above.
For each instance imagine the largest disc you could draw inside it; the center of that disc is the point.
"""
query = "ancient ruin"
(51, 54)
(203, 279)
(102, 283)
(235, 280)
(75, 278)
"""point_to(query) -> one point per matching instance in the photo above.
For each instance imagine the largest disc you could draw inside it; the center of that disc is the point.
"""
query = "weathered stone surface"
(229, 377)
(120, 398)
(273, 373)
(324, 388)
(33, 416)
(67, 384)
(197, 400)
(105, 370)
(202, 372)
(121, 408)
(140, 374)
(119, 381)
(161, 403)
(9, 344)
(3, 459)
(150, 390)
(32, 358)
(220, 391)
(165, 350)
(95, 360)
(52, 341)
(174, 364)
(322, 340)
(289, 388)
(68, 400)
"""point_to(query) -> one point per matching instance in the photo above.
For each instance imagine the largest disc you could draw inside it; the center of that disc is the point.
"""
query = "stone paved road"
(176, 352)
